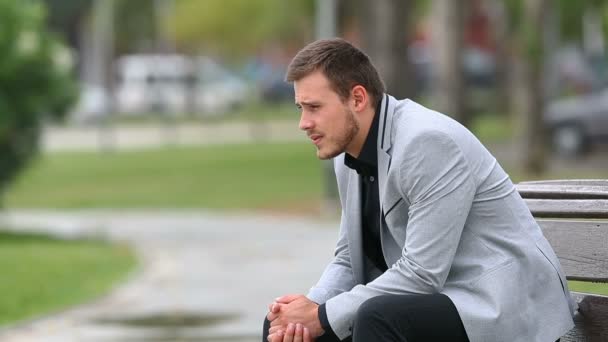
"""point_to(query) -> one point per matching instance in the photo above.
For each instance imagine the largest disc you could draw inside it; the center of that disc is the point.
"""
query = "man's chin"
(326, 155)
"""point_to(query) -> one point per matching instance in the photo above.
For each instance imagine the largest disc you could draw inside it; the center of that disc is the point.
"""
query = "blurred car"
(152, 83)
(176, 84)
(576, 124)
(277, 91)
(217, 90)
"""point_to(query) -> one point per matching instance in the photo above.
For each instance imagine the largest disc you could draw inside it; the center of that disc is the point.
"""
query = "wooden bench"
(573, 215)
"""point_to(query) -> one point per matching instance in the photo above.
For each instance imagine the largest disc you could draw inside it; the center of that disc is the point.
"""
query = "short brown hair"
(344, 65)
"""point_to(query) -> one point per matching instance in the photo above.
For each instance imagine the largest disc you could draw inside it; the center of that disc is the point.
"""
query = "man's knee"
(373, 309)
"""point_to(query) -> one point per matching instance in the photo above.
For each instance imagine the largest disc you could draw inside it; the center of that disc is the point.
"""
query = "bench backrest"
(573, 215)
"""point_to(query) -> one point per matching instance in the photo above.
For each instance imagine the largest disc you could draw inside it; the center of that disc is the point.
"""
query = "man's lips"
(316, 138)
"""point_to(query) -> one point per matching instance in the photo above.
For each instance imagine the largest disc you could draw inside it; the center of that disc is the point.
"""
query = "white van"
(152, 83)
(176, 84)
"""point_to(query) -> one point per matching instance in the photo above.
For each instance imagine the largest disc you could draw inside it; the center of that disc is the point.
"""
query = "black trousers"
(404, 318)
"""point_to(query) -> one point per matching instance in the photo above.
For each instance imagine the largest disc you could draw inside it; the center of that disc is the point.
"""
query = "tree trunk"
(500, 24)
(532, 41)
(326, 27)
(385, 27)
(448, 43)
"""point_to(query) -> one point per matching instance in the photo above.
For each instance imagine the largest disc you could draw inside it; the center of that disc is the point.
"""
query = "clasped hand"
(293, 318)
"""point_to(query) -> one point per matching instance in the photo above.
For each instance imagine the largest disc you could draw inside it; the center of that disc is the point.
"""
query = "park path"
(203, 276)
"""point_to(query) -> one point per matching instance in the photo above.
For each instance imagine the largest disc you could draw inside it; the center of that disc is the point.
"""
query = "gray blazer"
(454, 224)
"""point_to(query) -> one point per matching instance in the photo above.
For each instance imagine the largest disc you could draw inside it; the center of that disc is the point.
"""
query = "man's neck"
(365, 122)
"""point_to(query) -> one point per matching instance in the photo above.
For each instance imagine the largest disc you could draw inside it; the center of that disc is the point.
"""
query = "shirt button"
(371, 178)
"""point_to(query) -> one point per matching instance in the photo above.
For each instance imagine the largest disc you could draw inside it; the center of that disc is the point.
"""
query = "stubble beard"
(339, 144)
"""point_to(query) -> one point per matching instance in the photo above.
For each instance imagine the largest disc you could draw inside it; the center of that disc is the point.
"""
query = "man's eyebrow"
(308, 103)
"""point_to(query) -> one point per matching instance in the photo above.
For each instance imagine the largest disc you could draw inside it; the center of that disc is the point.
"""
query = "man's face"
(328, 122)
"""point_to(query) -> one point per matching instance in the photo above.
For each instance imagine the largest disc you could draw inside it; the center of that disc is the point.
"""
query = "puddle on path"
(168, 320)
(172, 326)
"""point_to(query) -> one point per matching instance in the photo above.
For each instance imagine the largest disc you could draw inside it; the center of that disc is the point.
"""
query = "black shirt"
(366, 166)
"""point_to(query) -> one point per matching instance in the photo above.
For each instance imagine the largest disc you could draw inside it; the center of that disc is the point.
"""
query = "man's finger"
(288, 298)
(278, 337)
(274, 307)
(299, 333)
(271, 317)
(273, 330)
(274, 313)
(277, 321)
(306, 335)
(291, 329)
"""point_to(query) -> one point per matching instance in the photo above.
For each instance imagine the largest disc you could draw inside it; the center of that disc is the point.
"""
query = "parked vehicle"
(176, 84)
(218, 90)
(152, 83)
(576, 124)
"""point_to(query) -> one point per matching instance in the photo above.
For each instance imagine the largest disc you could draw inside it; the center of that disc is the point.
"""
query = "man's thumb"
(287, 298)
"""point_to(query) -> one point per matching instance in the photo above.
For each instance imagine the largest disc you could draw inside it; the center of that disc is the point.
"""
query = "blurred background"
(115, 107)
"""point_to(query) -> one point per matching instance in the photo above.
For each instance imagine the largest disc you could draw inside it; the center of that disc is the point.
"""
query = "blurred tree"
(385, 29)
(35, 83)
(532, 39)
(448, 38)
(134, 19)
(238, 28)
(66, 17)
(536, 27)
(530, 24)
(572, 16)
(136, 28)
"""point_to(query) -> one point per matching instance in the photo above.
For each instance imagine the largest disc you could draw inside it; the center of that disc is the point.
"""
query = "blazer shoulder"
(413, 121)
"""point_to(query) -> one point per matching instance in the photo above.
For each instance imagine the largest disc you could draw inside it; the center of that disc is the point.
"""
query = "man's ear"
(359, 98)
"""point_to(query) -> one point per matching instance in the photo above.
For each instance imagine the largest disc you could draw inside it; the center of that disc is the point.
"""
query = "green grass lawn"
(41, 274)
(579, 286)
(279, 176)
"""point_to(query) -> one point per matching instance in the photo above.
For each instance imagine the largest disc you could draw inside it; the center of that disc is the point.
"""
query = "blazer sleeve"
(338, 276)
(435, 178)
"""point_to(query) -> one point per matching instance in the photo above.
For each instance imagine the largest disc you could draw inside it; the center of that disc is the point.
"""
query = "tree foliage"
(35, 83)
(135, 26)
(240, 27)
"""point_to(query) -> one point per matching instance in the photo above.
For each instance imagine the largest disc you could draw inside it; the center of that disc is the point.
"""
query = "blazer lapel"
(353, 207)
(385, 143)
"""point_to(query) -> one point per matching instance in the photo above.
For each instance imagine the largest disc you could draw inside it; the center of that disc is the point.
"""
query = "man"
(435, 243)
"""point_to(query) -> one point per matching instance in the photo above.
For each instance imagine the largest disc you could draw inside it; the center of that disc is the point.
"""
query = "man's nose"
(305, 122)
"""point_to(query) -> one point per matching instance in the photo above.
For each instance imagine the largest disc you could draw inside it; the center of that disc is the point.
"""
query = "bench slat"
(574, 182)
(581, 246)
(592, 209)
(546, 191)
(590, 321)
